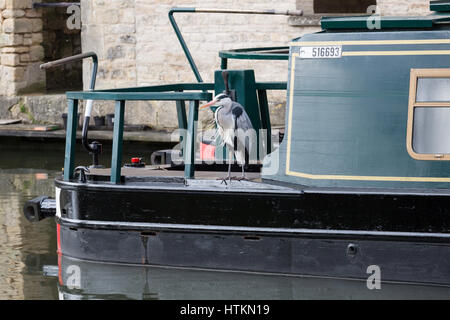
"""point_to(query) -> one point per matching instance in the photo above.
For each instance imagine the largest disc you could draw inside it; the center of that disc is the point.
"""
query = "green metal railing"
(229, 54)
(266, 53)
(173, 92)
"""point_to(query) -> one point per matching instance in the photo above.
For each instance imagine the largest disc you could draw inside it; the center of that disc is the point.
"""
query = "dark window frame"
(342, 6)
(312, 18)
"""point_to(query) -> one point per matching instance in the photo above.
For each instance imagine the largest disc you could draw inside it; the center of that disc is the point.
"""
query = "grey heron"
(235, 129)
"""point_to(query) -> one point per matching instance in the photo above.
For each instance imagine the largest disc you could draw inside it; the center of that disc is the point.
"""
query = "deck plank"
(162, 171)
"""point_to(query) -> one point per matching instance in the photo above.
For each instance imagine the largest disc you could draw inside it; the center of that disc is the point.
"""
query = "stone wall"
(21, 49)
(137, 46)
(404, 7)
(387, 7)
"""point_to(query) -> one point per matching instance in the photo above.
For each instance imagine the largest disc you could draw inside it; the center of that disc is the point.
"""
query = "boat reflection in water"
(92, 280)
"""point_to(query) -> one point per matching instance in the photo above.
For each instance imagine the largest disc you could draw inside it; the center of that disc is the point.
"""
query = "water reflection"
(26, 249)
(89, 280)
(27, 170)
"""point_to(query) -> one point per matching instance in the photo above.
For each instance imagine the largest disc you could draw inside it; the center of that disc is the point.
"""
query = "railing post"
(181, 113)
(182, 121)
(182, 42)
(71, 138)
(189, 155)
(265, 118)
(116, 161)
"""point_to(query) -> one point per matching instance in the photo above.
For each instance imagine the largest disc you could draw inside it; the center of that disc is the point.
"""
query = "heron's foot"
(228, 179)
(224, 180)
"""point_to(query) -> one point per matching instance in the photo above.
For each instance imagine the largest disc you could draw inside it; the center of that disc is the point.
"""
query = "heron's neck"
(227, 107)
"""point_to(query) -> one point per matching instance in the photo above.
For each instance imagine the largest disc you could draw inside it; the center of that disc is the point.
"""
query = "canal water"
(29, 263)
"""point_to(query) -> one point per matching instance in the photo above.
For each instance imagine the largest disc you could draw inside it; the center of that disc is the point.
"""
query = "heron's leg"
(230, 158)
(228, 177)
(243, 177)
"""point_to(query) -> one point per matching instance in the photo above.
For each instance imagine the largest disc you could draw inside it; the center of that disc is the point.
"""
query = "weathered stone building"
(21, 47)
(137, 46)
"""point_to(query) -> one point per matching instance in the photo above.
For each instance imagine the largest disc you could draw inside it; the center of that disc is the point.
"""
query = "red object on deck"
(135, 160)
(207, 151)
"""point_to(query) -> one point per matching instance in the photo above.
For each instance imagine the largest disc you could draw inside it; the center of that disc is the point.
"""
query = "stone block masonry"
(21, 48)
(30, 36)
(137, 47)
(404, 7)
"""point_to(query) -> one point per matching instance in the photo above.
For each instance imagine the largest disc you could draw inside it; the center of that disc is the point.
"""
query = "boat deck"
(159, 177)
(163, 171)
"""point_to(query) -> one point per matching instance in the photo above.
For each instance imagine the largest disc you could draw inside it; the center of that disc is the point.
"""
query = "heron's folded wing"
(242, 119)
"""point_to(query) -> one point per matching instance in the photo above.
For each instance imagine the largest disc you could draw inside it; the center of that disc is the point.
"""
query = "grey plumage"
(235, 129)
(233, 124)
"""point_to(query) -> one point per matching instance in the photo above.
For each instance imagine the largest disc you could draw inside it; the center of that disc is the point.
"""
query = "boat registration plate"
(322, 52)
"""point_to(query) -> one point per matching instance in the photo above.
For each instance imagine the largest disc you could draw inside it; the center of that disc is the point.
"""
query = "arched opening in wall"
(61, 39)
(342, 6)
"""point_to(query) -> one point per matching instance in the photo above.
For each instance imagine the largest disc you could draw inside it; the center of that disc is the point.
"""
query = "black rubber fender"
(39, 208)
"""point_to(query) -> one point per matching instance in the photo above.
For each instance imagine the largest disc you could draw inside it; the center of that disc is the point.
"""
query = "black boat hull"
(318, 234)
(406, 258)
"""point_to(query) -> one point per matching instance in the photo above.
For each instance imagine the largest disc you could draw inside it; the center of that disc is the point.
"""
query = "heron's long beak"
(209, 104)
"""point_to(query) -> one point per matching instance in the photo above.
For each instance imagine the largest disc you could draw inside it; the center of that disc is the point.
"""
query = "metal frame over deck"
(161, 93)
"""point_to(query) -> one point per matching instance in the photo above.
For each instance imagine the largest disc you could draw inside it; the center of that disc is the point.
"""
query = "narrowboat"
(361, 177)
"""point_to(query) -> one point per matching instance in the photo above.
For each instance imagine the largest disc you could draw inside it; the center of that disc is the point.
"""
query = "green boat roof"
(441, 14)
(360, 22)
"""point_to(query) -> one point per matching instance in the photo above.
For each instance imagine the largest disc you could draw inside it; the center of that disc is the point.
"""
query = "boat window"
(433, 89)
(428, 135)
